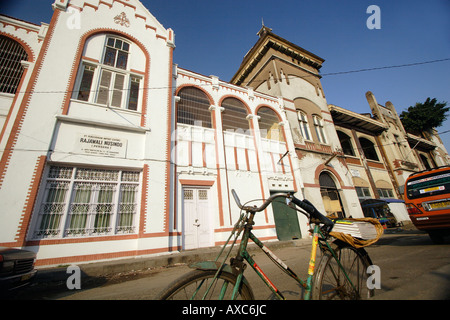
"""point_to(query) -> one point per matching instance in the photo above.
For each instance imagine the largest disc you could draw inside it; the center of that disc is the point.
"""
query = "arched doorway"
(330, 196)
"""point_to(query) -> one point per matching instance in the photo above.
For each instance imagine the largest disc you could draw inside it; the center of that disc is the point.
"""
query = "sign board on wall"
(355, 173)
(98, 145)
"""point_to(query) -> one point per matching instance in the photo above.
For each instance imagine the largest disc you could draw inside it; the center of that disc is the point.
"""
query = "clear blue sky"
(213, 36)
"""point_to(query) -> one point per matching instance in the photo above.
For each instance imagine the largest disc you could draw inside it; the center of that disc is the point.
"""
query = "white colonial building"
(227, 137)
(110, 150)
(86, 172)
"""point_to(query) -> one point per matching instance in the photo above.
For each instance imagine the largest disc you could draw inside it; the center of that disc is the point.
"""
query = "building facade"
(380, 154)
(110, 150)
(85, 168)
(280, 68)
(228, 137)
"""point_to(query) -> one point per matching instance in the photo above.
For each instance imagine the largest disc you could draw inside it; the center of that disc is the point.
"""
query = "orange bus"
(427, 199)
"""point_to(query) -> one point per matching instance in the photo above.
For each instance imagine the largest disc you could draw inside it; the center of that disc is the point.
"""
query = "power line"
(291, 77)
(386, 67)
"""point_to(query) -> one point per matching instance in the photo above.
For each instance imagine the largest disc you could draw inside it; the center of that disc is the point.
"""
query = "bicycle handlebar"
(309, 207)
(303, 204)
(254, 208)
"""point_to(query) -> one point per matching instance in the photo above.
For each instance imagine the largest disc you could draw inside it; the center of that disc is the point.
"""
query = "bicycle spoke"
(206, 285)
(346, 281)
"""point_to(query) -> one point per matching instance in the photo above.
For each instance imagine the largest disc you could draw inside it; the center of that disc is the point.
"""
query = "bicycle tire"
(330, 282)
(198, 280)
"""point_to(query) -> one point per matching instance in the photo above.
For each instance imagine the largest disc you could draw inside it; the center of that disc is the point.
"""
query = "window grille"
(11, 70)
(193, 108)
(269, 127)
(88, 202)
(52, 209)
(188, 194)
(203, 194)
(234, 116)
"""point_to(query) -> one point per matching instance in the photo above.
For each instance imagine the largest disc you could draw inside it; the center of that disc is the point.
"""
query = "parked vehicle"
(379, 209)
(16, 268)
(427, 199)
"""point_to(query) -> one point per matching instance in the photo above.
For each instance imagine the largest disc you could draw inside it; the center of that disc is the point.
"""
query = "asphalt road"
(411, 266)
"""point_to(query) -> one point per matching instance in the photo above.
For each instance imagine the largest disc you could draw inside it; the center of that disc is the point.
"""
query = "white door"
(197, 224)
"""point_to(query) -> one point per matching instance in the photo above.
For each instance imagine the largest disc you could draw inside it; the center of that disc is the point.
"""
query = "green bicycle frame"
(244, 255)
(305, 284)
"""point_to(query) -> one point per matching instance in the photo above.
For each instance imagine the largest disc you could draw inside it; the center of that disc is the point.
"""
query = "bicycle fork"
(312, 263)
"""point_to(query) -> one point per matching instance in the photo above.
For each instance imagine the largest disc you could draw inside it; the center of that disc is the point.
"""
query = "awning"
(347, 118)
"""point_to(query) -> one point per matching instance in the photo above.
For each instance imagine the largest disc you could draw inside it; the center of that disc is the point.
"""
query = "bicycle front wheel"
(347, 283)
(203, 285)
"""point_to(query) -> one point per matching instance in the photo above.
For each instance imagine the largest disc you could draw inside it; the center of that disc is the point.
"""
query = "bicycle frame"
(243, 254)
(278, 262)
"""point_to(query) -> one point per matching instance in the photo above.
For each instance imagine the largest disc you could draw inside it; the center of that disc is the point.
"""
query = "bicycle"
(341, 273)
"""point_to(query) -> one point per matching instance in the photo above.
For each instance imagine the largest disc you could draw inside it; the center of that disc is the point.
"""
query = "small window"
(385, 193)
(134, 93)
(116, 53)
(363, 192)
(304, 127)
(368, 148)
(346, 144)
(318, 126)
(86, 83)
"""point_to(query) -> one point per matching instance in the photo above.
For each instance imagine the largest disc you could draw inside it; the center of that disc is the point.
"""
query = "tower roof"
(269, 40)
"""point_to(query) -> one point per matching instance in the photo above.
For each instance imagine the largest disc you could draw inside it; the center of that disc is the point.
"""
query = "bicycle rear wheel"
(194, 285)
(331, 283)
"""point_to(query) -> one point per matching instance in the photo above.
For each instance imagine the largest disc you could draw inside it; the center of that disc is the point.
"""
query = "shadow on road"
(49, 284)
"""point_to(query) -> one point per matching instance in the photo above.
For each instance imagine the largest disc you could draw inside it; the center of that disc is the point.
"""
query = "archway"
(330, 196)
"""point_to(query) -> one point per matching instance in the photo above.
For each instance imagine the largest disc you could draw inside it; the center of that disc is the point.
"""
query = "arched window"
(269, 126)
(108, 78)
(318, 126)
(234, 116)
(11, 70)
(368, 148)
(346, 143)
(193, 107)
(304, 126)
(330, 196)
